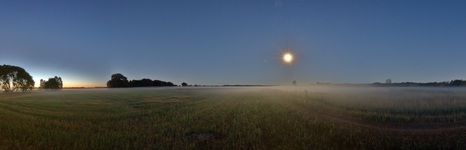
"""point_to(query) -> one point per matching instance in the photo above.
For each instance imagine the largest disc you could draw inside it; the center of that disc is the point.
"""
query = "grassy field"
(235, 118)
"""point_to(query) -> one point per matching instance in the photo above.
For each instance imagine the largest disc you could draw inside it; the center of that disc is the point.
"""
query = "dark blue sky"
(236, 42)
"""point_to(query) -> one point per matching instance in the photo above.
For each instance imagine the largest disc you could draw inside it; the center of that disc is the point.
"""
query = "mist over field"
(283, 117)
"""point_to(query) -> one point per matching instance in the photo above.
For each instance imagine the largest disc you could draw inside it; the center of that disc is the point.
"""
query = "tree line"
(119, 80)
(456, 82)
(14, 78)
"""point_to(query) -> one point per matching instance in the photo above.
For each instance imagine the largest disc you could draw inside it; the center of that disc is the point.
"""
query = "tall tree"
(52, 83)
(14, 78)
(117, 80)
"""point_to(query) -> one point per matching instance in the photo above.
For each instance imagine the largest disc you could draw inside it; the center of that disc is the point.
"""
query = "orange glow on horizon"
(81, 84)
(73, 84)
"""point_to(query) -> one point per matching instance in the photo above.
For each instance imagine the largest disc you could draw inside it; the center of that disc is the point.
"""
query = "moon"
(288, 57)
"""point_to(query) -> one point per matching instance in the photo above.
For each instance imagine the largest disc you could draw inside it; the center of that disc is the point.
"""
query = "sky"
(215, 42)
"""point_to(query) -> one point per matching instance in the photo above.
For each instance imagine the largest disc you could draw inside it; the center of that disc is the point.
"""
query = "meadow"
(298, 117)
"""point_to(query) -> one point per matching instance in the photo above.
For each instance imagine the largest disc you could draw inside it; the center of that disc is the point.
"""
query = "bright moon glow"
(287, 57)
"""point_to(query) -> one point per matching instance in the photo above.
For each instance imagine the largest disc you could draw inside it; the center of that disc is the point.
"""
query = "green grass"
(227, 118)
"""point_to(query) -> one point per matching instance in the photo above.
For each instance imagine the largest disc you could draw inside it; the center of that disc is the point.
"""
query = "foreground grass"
(199, 118)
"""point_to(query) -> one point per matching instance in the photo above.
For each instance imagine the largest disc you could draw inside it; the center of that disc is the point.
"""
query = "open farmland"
(307, 117)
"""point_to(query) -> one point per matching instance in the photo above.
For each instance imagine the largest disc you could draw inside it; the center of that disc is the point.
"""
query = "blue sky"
(236, 42)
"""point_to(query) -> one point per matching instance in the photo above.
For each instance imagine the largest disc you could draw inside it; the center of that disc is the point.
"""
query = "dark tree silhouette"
(294, 82)
(42, 83)
(148, 83)
(141, 83)
(14, 78)
(52, 83)
(184, 84)
(456, 82)
(118, 80)
(158, 83)
(388, 81)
